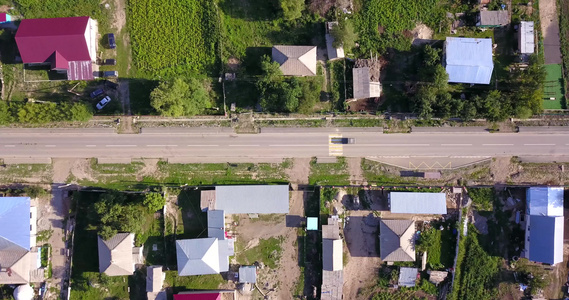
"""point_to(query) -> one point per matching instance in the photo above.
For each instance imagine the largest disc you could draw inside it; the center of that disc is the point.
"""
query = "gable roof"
(546, 246)
(526, 42)
(39, 39)
(154, 278)
(396, 240)
(296, 60)
(545, 201)
(494, 17)
(332, 255)
(418, 203)
(469, 60)
(248, 199)
(115, 254)
(363, 86)
(14, 223)
(198, 256)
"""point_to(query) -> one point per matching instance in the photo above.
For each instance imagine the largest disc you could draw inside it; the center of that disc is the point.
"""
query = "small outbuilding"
(407, 276)
(311, 223)
(247, 274)
(526, 38)
(493, 18)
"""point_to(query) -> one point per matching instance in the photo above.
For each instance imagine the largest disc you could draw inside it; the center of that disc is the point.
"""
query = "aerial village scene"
(284, 149)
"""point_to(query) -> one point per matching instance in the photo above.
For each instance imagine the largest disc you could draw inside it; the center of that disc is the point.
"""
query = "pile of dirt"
(374, 65)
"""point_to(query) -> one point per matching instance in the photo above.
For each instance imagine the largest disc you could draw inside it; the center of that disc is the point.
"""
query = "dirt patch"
(422, 31)
(5, 8)
(355, 170)
(298, 173)
(119, 22)
(549, 21)
(61, 169)
(79, 169)
(363, 260)
(150, 169)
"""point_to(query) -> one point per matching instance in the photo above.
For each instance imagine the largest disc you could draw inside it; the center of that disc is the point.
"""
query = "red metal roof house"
(65, 44)
(205, 295)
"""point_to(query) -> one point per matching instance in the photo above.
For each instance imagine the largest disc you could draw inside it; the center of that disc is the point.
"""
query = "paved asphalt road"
(298, 143)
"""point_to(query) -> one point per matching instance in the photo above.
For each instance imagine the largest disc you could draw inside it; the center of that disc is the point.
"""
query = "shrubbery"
(39, 113)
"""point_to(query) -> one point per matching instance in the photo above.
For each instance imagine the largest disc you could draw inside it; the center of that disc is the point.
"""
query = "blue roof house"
(17, 221)
(468, 60)
(545, 218)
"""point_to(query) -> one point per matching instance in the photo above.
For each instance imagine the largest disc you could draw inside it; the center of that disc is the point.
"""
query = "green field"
(553, 88)
(173, 37)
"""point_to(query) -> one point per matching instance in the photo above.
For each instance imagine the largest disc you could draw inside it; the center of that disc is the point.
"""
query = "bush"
(154, 201)
(180, 97)
(482, 198)
(39, 113)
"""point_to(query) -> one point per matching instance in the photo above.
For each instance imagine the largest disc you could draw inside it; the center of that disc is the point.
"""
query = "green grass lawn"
(329, 173)
(553, 87)
(199, 282)
(26, 173)
(268, 252)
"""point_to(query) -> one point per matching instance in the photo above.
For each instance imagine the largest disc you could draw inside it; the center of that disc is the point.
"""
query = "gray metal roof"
(363, 86)
(247, 274)
(198, 257)
(494, 17)
(407, 276)
(251, 199)
(216, 224)
(332, 230)
(15, 222)
(115, 254)
(396, 240)
(332, 255)
(526, 38)
(19, 261)
(469, 60)
(418, 203)
(545, 201)
(154, 278)
(546, 245)
(296, 60)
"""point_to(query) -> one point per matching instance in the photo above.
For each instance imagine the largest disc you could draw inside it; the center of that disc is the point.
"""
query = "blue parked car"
(96, 93)
(112, 43)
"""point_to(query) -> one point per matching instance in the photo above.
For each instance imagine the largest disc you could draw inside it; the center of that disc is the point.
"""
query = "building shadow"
(361, 234)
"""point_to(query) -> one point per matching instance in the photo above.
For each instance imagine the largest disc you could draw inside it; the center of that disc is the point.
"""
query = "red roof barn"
(66, 44)
(198, 296)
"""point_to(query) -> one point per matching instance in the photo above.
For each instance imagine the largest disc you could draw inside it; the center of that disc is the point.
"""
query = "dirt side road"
(550, 29)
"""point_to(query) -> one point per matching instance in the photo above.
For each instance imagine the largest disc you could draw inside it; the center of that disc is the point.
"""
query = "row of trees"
(38, 113)
(521, 95)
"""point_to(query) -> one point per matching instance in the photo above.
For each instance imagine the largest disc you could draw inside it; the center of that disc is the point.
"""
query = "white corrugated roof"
(527, 40)
(418, 203)
(252, 199)
(469, 60)
(407, 276)
(545, 201)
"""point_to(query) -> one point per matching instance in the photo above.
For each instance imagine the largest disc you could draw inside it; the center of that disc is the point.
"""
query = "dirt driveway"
(550, 29)
(363, 260)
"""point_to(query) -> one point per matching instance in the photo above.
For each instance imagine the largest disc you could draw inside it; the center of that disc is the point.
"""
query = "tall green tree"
(344, 34)
(292, 9)
(154, 201)
(180, 97)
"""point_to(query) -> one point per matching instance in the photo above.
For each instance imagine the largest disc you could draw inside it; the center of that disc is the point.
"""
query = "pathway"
(550, 29)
